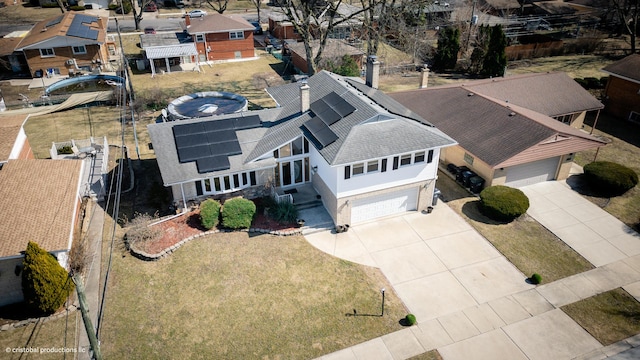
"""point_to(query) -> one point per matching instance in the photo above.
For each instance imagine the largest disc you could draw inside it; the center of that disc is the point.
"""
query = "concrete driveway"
(437, 263)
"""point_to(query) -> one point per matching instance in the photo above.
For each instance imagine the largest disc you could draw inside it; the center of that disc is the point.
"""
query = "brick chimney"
(424, 77)
(373, 71)
(305, 102)
(187, 20)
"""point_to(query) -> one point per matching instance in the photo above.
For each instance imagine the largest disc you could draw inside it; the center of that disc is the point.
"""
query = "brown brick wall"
(62, 54)
(621, 97)
(223, 48)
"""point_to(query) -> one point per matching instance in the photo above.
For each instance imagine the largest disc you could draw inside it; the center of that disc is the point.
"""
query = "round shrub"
(536, 278)
(410, 319)
(238, 213)
(609, 178)
(209, 213)
(503, 203)
(45, 284)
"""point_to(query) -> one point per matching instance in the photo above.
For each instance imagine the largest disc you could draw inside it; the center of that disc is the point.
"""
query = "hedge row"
(236, 213)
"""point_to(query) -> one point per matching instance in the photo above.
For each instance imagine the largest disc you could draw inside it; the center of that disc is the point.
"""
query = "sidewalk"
(523, 324)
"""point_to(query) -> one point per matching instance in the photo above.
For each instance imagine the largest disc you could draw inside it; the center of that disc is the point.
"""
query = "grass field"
(232, 295)
(58, 333)
(609, 317)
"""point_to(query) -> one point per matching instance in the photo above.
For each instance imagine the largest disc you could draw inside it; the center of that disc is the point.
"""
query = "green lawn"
(246, 297)
(609, 317)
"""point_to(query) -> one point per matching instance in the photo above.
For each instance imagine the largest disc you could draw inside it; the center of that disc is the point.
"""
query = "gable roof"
(369, 131)
(627, 68)
(10, 127)
(218, 23)
(551, 94)
(70, 28)
(334, 48)
(492, 130)
(38, 198)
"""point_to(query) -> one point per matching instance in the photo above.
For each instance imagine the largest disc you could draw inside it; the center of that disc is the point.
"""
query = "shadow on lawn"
(472, 211)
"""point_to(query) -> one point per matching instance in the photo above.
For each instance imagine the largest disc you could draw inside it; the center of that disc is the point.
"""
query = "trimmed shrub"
(283, 212)
(45, 284)
(609, 178)
(238, 213)
(536, 278)
(503, 203)
(210, 213)
(410, 319)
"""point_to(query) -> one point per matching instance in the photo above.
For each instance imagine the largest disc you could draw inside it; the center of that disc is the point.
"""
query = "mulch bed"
(181, 227)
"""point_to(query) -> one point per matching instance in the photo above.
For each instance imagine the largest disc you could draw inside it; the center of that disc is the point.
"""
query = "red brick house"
(67, 44)
(221, 37)
(622, 94)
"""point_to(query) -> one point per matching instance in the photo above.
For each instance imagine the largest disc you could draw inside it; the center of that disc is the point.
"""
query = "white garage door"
(532, 173)
(383, 205)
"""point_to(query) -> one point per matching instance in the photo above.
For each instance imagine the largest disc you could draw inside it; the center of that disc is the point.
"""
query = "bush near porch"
(238, 213)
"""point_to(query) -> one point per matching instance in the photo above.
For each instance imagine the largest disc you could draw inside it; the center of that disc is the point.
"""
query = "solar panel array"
(79, 28)
(210, 143)
(55, 21)
(327, 110)
(331, 108)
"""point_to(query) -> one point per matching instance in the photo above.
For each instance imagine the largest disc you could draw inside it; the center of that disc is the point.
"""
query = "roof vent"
(512, 114)
(470, 94)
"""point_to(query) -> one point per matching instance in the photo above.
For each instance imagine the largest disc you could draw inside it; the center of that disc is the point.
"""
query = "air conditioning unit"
(70, 62)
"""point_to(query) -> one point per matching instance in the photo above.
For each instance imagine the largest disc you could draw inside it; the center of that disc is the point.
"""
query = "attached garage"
(384, 204)
(532, 173)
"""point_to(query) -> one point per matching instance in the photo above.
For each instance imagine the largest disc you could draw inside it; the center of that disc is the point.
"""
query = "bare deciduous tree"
(220, 6)
(628, 12)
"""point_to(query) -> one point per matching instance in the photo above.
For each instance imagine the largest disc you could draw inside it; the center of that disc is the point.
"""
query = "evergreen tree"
(495, 59)
(448, 47)
(45, 284)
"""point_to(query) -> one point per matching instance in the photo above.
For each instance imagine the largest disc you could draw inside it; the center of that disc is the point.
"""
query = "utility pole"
(131, 94)
(82, 301)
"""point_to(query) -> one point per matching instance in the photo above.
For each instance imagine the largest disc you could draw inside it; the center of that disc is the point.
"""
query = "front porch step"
(308, 204)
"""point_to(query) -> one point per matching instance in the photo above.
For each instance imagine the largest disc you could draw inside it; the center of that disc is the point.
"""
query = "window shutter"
(199, 188)
(430, 157)
(347, 172)
(384, 165)
(252, 178)
(395, 163)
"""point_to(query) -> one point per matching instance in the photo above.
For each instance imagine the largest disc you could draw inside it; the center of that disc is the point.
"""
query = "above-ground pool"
(84, 83)
(206, 103)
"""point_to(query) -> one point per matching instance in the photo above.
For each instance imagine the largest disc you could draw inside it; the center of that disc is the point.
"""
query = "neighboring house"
(282, 28)
(67, 44)
(169, 52)
(363, 159)
(12, 61)
(13, 140)
(221, 37)
(333, 52)
(39, 202)
(622, 94)
(502, 8)
(501, 140)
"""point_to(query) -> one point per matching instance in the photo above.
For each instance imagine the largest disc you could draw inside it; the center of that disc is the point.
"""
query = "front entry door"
(294, 172)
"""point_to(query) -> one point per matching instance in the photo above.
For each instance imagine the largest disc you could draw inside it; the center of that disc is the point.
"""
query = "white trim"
(53, 53)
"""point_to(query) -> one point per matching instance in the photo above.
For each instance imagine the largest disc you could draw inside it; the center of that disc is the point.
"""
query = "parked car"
(461, 169)
(150, 7)
(196, 13)
(452, 168)
(466, 176)
(258, 28)
(149, 30)
(273, 41)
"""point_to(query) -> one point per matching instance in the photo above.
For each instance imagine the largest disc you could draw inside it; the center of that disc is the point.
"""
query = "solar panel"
(343, 108)
(221, 136)
(320, 132)
(217, 125)
(246, 122)
(329, 116)
(326, 136)
(187, 129)
(191, 140)
(226, 148)
(332, 98)
(192, 153)
(212, 163)
(79, 27)
(314, 125)
(55, 21)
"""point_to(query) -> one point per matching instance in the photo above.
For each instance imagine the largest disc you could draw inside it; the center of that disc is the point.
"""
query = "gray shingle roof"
(629, 68)
(552, 94)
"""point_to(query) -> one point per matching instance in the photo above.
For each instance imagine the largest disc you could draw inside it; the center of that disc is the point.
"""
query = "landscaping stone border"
(140, 254)
(10, 326)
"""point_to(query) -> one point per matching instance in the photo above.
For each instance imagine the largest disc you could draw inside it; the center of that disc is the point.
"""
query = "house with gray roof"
(622, 94)
(504, 134)
(358, 149)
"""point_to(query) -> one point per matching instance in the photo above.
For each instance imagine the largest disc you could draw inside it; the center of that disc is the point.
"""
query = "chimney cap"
(372, 58)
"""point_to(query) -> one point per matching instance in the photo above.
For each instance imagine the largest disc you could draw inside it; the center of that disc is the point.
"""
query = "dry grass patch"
(83, 123)
(609, 317)
(576, 66)
(429, 355)
(58, 333)
(524, 242)
(19, 14)
(232, 295)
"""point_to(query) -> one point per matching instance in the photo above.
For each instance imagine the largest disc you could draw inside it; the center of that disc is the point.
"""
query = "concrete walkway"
(470, 302)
